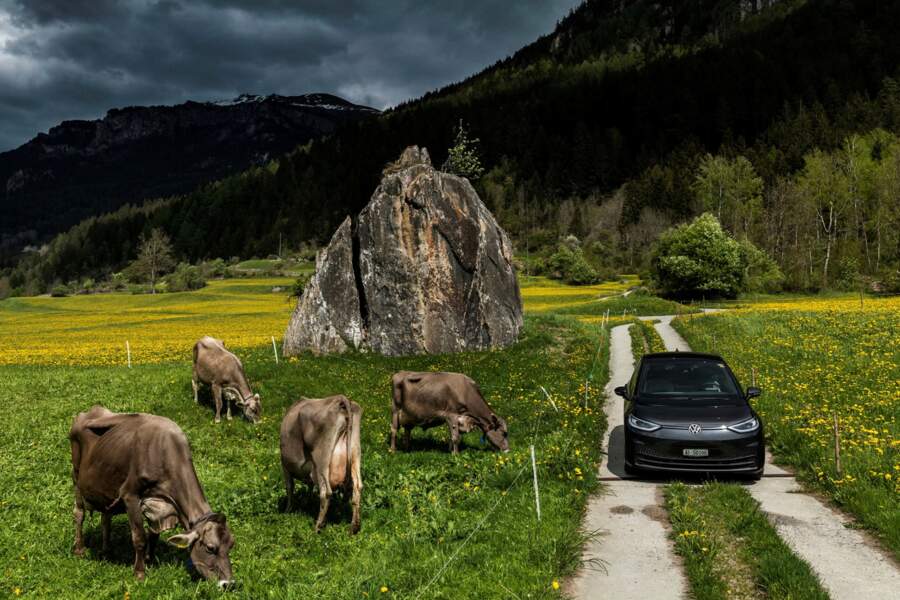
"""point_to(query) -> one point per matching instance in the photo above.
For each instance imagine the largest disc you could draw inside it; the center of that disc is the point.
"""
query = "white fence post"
(128, 351)
(537, 493)
(274, 349)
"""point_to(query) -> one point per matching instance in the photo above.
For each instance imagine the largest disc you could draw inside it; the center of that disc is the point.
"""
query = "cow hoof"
(218, 420)
(78, 551)
(354, 528)
(139, 575)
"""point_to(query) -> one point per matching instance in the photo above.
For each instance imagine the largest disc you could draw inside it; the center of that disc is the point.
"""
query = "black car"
(686, 412)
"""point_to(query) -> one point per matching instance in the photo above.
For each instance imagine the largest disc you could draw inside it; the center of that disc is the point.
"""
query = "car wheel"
(757, 475)
(629, 470)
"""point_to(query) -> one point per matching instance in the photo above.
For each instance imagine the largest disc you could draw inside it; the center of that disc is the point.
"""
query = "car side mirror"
(621, 391)
(753, 392)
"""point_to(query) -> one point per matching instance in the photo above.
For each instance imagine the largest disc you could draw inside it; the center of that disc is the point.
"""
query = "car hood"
(681, 413)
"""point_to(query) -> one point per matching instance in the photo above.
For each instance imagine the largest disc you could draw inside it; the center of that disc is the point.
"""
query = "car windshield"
(686, 377)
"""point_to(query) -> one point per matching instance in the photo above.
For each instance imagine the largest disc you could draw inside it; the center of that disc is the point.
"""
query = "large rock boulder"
(328, 317)
(428, 268)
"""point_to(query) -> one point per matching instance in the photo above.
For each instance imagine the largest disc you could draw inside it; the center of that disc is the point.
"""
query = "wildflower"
(555, 584)
(384, 589)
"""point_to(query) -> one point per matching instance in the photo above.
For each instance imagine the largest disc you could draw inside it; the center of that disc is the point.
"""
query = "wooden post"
(128, 351)
(753, 376)
(274, 349)
(837, 444)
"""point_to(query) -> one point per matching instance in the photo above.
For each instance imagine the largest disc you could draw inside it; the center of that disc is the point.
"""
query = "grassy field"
(816, 359)
(421, 510)
(92, 330)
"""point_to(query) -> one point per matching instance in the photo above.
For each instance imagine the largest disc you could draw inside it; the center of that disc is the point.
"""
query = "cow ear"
(495, 422)
(183, 540)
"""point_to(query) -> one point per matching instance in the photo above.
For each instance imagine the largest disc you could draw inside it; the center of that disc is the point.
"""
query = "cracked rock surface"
(426, 269)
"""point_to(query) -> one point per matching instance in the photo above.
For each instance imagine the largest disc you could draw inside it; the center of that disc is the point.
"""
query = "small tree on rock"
(154, 258)
(464, 158)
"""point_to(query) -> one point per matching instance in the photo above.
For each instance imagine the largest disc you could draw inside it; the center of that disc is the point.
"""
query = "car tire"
(629, 470)
(757, 475)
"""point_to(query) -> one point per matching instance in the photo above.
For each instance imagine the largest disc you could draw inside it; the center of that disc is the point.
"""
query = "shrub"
(698, 259)
(761, 273)
(59, 291)
(568, 264)
(185, 278)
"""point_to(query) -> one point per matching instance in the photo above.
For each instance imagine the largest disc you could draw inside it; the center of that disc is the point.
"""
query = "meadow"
(817, 359)
(433, 525)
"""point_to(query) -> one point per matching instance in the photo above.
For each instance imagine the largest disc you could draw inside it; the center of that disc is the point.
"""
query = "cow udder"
(338, 469)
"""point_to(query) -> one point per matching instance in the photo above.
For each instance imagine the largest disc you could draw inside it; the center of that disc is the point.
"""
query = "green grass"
(644, 339)
(814, 363)
(420, 509)
(729, 548)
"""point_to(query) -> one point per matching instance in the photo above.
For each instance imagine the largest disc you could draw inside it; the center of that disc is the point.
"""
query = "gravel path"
(638, 560)
(847, 562)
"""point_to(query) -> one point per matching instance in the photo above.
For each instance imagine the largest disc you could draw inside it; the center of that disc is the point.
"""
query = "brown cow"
(141, 465)
(224, 373)
(320, 439)
(429, 399)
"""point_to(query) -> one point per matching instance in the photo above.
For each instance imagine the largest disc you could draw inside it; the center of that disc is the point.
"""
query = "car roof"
(658, 355)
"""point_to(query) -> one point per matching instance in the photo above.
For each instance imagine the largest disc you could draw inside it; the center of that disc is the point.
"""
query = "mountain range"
(83, 168)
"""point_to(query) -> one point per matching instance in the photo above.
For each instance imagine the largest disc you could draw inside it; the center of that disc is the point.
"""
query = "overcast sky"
(74, 59)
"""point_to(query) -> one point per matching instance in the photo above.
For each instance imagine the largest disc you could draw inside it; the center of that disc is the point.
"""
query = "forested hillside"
(599, 130)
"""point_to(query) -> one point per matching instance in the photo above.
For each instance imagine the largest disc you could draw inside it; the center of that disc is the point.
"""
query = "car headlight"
(641, 424)
(745, 426)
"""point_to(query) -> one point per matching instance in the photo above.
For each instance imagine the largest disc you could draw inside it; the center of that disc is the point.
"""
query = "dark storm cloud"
(68, 59)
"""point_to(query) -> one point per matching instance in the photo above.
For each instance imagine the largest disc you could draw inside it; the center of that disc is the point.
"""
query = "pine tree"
(464, 158)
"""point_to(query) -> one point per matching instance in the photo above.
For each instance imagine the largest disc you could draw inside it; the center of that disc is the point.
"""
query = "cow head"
(496, 433)
(252, 407)
(210, 542)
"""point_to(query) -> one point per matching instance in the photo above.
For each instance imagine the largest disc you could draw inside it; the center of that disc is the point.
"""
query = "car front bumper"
(663, 450)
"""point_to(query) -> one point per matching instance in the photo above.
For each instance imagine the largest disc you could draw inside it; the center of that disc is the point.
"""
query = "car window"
(677, 377)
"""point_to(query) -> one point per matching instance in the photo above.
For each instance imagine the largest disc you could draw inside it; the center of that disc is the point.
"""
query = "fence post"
(753, 376)
(274, 349)
(537, 494)
(837, 444)
(128, 351)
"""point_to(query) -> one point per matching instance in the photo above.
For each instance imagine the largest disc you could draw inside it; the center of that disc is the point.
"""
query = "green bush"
(698, 259)
(569, 265)
(185, 278)
(761, 273)
(59, 291)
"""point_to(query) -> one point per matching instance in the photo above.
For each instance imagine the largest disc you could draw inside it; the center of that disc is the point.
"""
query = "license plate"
(695, 452)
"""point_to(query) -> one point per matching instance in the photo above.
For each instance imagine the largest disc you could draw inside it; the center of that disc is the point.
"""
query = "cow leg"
(289, 488)
(138, 539)
(357, 488)
(217, 396)
(395, 425)
(227, 406)
(105, 520)
(78, 516)
(454, 435)
(324, 498)
(407, 436)
(152, 539)
(196, 386)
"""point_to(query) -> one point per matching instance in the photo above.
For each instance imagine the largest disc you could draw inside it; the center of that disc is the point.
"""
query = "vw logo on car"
(686, 412)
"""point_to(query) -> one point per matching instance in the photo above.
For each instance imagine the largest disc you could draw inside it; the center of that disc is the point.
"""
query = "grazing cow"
(429, 399)
(141, 465)
(224, 373)
(320, 439)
